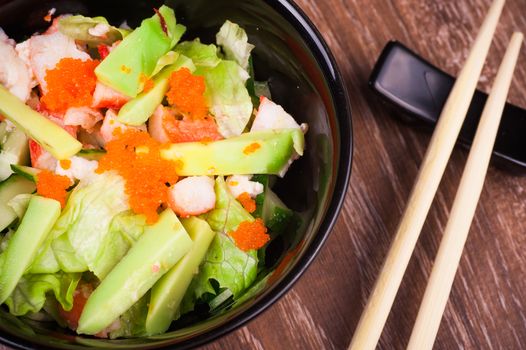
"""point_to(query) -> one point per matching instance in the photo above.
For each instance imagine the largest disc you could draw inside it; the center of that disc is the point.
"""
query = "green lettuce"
(227, 96)
(125, 229)
(94, 231)
(202, 55)
(228, 212)
(87, 217)
(234, 41)
(225, 267)
(66, 256)
(29, 295)
(225, 263)
(78, 27)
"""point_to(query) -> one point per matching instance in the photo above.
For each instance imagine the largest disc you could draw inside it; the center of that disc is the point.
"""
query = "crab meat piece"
(271, 116)
(77, 168)
(239, 184)
(111, 124)
(169, 125)
(85, 117)
(106, 97)
(100, 30)
(40, 158)
(156, 124)
(193, 195)
(46, 50)
(15, 75)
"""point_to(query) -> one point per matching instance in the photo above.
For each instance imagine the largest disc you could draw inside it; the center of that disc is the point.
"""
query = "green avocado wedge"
(168, 292)
(41, 215)
(26, 172)
(160, 247)
(138, 110)
(49, 135)
(136, 56)
(261, 152)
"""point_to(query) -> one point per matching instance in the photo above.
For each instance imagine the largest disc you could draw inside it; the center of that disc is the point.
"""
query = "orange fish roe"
(247, 202)
(187, 93)
(70, 84)
(148, 83)
(189, 130)
(253, 147)
(51, 185)
(65, 164)
(250, 235)
(137, 158)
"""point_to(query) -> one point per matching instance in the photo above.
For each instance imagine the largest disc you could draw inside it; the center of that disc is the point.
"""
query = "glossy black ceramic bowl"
(303, 76)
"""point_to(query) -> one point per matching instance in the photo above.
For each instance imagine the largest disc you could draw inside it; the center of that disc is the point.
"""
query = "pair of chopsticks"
(439, 151)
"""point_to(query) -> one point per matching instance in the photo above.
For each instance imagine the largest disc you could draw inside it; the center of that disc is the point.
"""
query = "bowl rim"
(341, 102)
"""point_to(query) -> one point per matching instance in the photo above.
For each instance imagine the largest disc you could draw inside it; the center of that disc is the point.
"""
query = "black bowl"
(304, 78)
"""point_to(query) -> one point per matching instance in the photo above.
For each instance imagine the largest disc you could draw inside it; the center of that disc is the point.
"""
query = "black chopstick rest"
(418, 90)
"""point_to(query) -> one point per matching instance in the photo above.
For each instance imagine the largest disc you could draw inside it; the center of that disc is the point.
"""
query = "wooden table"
(487, 308)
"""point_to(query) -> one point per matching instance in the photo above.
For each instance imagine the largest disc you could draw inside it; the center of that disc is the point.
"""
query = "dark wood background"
(487, 307)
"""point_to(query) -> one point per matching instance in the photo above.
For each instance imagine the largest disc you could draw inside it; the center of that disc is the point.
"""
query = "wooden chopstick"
(448, 127)
(464, 205)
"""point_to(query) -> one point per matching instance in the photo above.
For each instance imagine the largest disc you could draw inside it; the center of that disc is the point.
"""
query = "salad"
(135, 174)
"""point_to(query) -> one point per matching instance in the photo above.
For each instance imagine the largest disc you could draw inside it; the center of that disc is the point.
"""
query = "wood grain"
(487, 307)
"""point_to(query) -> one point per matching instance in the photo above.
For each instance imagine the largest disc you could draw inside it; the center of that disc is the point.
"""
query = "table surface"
(487, 306)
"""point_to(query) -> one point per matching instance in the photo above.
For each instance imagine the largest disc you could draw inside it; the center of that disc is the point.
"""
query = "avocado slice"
(136, 56)
(168, 292)
(41, 215)
(160, 247)
(261, 152)
(138, 110)
(9, 189)
(49, 135)
(26, 172)
(14, 149)
(91, 154)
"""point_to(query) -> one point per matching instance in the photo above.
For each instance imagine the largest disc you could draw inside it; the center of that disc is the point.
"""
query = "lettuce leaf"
(227, 96)
(87, 217)
(202, 55)
(79, 27)
(125, 229)
(29, 295)
(234, 41)
(94, 231)
(225, 265)
(228, 213)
